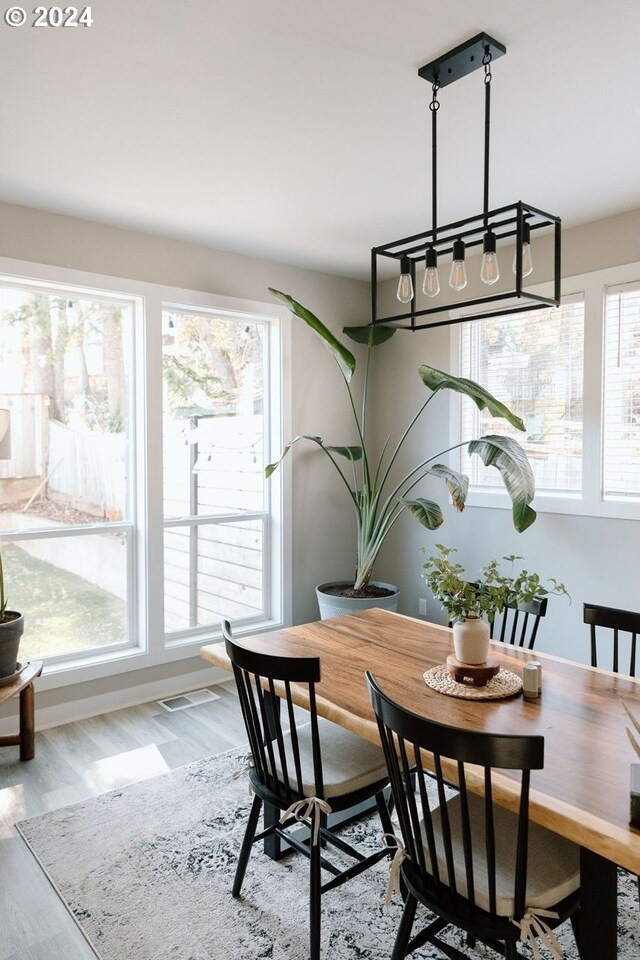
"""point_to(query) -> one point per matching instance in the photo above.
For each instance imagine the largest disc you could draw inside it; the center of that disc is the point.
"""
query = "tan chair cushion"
(553, 863)
(348, 762)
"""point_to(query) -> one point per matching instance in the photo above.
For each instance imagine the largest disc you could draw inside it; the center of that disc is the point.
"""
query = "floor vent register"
(186, 700)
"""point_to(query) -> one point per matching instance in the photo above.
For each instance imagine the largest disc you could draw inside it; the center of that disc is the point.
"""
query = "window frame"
(187, 634)
(59, 662)
(611, 289)
(592, 287)
(147, 495)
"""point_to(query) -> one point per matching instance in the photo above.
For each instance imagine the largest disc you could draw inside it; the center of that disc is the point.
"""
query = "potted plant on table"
(377, 496)
(468, 602)
(11, 629)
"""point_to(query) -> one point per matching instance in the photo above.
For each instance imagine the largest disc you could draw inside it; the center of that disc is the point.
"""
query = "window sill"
(194, 639)
(568, 505)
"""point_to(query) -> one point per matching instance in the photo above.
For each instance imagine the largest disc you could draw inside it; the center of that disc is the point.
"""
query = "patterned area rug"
(146, 871)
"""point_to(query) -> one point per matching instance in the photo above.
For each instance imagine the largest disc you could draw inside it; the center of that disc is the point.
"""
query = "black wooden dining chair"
(519, 625)
(620, 622)
(307, 768)
(477, 866)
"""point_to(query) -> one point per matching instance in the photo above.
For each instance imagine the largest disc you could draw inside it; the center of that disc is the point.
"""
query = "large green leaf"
(343, 357)
(351, 453)
(457, 484)
(370, 335)
(272, 467)
(426, 512)
(509, 458)
(438, 380)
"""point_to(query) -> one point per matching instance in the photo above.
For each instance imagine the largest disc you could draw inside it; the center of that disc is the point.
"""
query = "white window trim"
(593, 287)
(148, 538)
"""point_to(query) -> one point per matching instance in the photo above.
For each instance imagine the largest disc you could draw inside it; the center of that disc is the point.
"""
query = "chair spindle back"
(431, 851)
(620, 621)
(264, 688)
(519, 625)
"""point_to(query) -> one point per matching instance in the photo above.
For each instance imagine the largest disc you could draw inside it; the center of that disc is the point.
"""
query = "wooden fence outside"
(88, 469)
(29, 416)
(215, 570)
(211, 571)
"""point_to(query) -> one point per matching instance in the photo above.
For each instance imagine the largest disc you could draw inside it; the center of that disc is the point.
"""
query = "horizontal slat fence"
(226, 579)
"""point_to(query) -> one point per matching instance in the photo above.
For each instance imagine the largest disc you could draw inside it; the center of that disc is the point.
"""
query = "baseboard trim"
(72, 710)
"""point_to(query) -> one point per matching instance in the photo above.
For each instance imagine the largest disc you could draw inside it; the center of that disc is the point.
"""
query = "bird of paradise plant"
(378, 500)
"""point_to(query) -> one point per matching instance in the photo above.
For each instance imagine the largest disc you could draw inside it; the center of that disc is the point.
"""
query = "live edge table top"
(583, 791)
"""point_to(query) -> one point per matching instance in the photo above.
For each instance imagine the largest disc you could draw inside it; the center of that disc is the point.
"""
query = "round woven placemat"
(504, 684)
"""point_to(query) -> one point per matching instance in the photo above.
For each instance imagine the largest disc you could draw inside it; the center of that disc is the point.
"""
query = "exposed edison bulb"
(458, 275)
(431, 281)
(405, 283)
(490, 270)
(527, 259)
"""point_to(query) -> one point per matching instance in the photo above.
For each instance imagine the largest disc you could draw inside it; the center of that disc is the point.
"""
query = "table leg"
(598, 936)
(273, 845)
(27, 724)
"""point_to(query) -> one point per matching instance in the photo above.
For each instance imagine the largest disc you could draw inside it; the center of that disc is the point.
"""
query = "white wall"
(598, 559)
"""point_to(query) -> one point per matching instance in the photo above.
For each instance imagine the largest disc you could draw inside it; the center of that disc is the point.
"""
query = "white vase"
(471, 640)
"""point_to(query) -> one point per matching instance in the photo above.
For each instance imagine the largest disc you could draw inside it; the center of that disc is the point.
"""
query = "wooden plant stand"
(480, 673)
(23, 685)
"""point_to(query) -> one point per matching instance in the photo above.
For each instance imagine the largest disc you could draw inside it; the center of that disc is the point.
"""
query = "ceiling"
(298, 129)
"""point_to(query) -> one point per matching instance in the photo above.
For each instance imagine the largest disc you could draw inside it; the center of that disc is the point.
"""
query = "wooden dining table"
(583, 791)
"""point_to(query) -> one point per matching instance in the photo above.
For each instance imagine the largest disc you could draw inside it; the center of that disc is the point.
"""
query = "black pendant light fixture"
(449, 243)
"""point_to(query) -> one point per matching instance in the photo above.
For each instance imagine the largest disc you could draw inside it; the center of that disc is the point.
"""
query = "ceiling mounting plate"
(460, 61)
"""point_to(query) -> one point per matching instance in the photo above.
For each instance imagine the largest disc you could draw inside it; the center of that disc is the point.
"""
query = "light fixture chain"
(486, 61)
(435, 103)
(434, 106)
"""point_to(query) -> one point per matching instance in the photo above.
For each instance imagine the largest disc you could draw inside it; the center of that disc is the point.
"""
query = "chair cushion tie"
(533, 926)
(391, 842)
(248, 765)
(309, 807)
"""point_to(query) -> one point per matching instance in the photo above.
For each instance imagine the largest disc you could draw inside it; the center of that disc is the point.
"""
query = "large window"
(621, 394)
(573, 375)
(534, 362)
(215, 375)
(134, 512)
(67, 518)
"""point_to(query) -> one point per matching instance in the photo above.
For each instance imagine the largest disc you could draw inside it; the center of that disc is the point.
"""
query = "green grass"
(63, 613)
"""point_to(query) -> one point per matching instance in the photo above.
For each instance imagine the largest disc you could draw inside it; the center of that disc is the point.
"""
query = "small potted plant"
(468, 602)
(11, 628)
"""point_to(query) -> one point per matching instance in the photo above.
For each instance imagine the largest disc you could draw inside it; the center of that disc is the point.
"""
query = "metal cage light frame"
(518, 219)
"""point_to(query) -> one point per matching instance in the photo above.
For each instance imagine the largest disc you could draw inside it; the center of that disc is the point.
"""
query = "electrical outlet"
(422, 607)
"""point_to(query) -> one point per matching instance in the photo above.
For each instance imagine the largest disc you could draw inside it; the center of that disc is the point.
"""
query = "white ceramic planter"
(471, 640)
(332, 606)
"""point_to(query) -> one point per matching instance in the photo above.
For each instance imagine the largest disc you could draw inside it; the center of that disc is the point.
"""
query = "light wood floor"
(77, 761)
